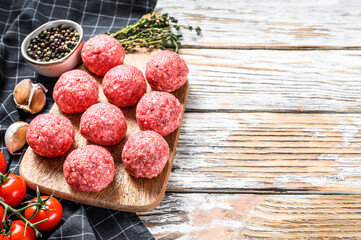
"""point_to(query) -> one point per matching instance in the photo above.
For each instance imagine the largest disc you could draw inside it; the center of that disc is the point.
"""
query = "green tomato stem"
(21, 217)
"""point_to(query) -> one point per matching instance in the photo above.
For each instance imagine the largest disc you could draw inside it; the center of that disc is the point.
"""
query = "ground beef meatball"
(103, 124)
(44, 138)
(101, 53)
(166, 71)
(124, 85)
(160, 112)
(90, 168)
(75, 91)
(145, 154)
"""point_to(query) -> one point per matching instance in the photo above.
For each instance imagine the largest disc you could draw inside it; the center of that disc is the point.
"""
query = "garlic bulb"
(30, 96)
(15, 136)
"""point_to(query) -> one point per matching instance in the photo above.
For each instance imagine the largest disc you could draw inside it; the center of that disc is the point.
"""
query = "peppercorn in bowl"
(54, 47)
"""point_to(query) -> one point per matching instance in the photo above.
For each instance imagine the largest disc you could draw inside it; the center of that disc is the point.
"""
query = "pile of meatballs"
(158, 114)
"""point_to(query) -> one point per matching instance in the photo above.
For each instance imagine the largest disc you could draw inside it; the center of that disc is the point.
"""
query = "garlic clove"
(15, 136)
(38, 101)
(22, 92)
(30, 96)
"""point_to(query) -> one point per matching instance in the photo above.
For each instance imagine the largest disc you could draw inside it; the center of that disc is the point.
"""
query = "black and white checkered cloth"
(17, 19)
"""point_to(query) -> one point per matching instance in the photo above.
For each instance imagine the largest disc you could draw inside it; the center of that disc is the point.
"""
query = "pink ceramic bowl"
(54, 68)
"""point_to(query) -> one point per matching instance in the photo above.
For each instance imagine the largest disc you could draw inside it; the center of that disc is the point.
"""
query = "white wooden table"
(270, 146)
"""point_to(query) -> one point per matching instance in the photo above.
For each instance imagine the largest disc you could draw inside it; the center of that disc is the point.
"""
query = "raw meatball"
(166, 71)
(124, 85)
(50, 135)
(75, 91)
(145, 154)
(101, 53)
(103, 124)
(89, 169)
(160, 112)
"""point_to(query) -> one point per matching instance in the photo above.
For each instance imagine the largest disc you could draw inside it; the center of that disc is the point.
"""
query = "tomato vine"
(39, 204)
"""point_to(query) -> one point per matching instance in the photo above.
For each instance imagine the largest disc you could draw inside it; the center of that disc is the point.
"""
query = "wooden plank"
(273, 81)
(222, 216)
(268, 152)
(125, 193)
(278, 24)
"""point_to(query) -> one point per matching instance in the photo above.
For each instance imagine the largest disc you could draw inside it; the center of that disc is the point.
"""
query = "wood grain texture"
(223, 216)
(277, 24)
(238, 150)
(268, 152)
(125, 192)
(273, 81)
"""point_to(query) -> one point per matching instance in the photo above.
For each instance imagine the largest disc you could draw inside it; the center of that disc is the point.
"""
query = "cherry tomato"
(53, 216)
(17, 232)
(13, 190)
(1, 215)
(2, 163)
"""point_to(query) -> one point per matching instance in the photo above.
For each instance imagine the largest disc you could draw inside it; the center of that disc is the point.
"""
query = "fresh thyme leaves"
(153, 32)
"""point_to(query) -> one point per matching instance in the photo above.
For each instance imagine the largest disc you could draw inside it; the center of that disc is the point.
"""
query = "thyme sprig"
(152, 32)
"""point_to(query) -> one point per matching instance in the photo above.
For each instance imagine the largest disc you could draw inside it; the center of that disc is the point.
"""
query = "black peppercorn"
(53, 43)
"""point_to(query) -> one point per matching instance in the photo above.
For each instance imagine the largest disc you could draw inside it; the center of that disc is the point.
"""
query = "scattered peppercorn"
(53, 43)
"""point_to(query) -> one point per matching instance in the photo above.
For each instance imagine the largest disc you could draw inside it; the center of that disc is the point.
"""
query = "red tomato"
(17, 232)
(13, 190)
(2, 163)
(1, 215)
(53, 216)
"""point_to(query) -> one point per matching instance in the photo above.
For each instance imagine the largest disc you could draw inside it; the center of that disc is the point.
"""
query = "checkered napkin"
(17, 19)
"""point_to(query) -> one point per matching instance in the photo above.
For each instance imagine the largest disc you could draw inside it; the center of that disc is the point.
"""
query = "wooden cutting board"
(125, 192)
